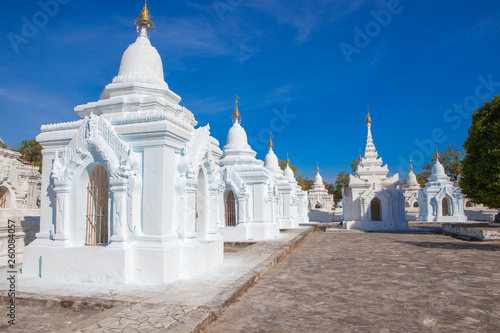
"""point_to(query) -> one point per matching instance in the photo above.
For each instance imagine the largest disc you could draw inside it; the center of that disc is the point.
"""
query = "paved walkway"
(181, 306)
(374, 282)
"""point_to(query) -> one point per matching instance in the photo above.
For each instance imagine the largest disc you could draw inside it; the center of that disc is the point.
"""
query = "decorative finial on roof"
(437, 154)
(411, 166)
(270, 144)
(236, 113)
(317, 166)
(287, 159)
(144, 20)
(360, 158)
(368, 119)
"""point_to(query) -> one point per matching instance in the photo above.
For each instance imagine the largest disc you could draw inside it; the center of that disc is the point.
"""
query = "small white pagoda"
(372, 201)
(20, 188)
(411, 188)
(246, 199)
(290, 202)
(129, 191)
(318, 195)
(440, 200)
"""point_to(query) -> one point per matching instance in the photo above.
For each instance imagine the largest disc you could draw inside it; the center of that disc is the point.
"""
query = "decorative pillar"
(190, 216)
(61, 232)
(118, 216)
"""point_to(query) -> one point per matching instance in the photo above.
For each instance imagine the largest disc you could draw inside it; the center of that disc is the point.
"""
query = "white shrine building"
(289, 201)
(440, 200)
(411, 188)
(373, 201)
(130, 190)
(20, 188)
(318, 195)
(247, 209)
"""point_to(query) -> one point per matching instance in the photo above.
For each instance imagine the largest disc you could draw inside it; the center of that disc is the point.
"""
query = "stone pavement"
(181, 306)
(374, 282)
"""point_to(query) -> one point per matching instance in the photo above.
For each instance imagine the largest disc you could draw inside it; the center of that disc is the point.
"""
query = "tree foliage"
(480, 179)
(341, 182)
(32, 152)
(354, 165)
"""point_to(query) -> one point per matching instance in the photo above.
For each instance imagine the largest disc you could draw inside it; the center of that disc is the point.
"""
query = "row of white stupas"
(373, 201)
(135, 193)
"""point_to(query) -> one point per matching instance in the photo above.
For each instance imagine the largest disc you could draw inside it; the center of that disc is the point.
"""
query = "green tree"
(354, 165)
(32, 152)
(341, 182)
(480, 179)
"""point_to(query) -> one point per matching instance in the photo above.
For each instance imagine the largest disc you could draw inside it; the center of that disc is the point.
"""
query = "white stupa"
(318, 195)
(440, 200)
(129, 192)
(372, 201)
(290, 202)
(247, 212)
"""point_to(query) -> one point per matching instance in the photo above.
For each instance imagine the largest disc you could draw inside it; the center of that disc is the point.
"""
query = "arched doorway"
(97, 207)
(469, 204)
(446, 207)
(4, 197)
(376, 209)
(230, 209)
(415, 205)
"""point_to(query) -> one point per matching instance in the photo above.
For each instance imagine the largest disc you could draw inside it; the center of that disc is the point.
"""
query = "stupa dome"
(271, 161)
(141, 62)
(289, 173)
(411, 178)
(237, 137)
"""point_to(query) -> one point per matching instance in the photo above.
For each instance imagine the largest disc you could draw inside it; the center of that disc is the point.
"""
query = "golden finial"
(144, 19)
(437, 154)
(317, 166)
(360, 158)
(287, 159)
(270, 144)
(411, 166)
(368, 119)
(236, 113)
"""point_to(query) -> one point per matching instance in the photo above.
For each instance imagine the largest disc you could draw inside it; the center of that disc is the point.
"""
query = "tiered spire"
(144, 22)
(370, 151)
(236, 113)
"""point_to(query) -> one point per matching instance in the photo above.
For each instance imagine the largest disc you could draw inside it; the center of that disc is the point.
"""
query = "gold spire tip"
(368, 119)
(437, 153)
(144, 19)
(317, 166)
(360, 158)
(270, 144)
(287, 159)
(411, 166)
(236, 113)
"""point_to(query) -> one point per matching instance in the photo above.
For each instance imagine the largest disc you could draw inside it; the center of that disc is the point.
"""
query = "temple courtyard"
(341, 281)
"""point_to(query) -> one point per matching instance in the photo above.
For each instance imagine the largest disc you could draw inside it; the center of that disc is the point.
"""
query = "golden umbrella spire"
(287, 159)
(437, 154)
(270, 144)
(411, 166)
(360, 158)
(317, 166)
(368, 119)
(144, 19)
(236, 113)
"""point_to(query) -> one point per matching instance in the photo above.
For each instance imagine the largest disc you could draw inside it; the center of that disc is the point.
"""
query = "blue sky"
(421, 67)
